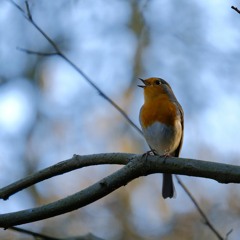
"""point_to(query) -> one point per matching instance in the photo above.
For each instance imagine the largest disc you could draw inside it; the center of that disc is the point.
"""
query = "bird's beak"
(142, 86)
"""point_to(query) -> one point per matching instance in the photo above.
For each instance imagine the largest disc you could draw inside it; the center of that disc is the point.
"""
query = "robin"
(162, 122)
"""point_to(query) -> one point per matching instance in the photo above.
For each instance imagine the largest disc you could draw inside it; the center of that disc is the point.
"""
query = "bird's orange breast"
(160, 109)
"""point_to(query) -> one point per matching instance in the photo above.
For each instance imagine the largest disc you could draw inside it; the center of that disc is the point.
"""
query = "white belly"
(162, 138)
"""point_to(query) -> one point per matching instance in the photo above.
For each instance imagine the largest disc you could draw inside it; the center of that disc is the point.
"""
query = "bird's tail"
(168, 190)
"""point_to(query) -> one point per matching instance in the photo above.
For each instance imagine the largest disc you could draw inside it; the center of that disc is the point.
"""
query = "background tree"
(48, 112)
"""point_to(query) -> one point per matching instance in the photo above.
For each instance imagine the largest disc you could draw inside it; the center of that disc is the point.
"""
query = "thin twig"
(236, 9)
(18, 7)
(45, 237)
(37, 235)
(228, 233)
(45, 54)
(28, 11)
(207, 221)
(84, 75)
(101, 93)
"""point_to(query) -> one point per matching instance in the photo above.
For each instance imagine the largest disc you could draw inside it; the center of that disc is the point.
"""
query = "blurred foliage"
(49, 113)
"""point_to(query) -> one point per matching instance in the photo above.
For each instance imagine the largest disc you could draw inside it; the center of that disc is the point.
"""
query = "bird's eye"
(157, 82)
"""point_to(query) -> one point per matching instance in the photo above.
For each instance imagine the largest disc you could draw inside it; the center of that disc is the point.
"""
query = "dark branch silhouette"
(45, 54)
(34, 234)
(88, 236)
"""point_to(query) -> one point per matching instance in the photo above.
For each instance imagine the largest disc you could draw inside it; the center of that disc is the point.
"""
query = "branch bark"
(68, 165)
(136, 166)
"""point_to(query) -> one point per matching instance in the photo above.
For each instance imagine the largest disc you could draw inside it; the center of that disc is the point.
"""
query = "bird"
(162, 121)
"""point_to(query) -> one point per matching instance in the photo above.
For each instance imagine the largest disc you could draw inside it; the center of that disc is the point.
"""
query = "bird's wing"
(177, 151)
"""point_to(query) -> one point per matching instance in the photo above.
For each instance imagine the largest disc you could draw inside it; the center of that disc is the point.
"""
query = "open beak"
(142, 86)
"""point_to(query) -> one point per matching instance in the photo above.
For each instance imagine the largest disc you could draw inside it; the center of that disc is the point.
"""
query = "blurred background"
(48, 112)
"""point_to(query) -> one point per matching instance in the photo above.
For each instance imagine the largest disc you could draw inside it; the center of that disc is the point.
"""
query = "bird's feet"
(165, 156)
(148, 153)
(151, 152)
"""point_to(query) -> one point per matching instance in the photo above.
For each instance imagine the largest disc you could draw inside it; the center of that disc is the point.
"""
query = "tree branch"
(33, 234)
(68, 165)
(189, 167)
(45, 54)
(88, 236)
(236, 9)
(137, 166)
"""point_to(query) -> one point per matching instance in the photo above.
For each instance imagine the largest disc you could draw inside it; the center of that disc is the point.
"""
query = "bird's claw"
(151, 152)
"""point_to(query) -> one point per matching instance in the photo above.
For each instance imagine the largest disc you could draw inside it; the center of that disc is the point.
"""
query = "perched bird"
(162, 122)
